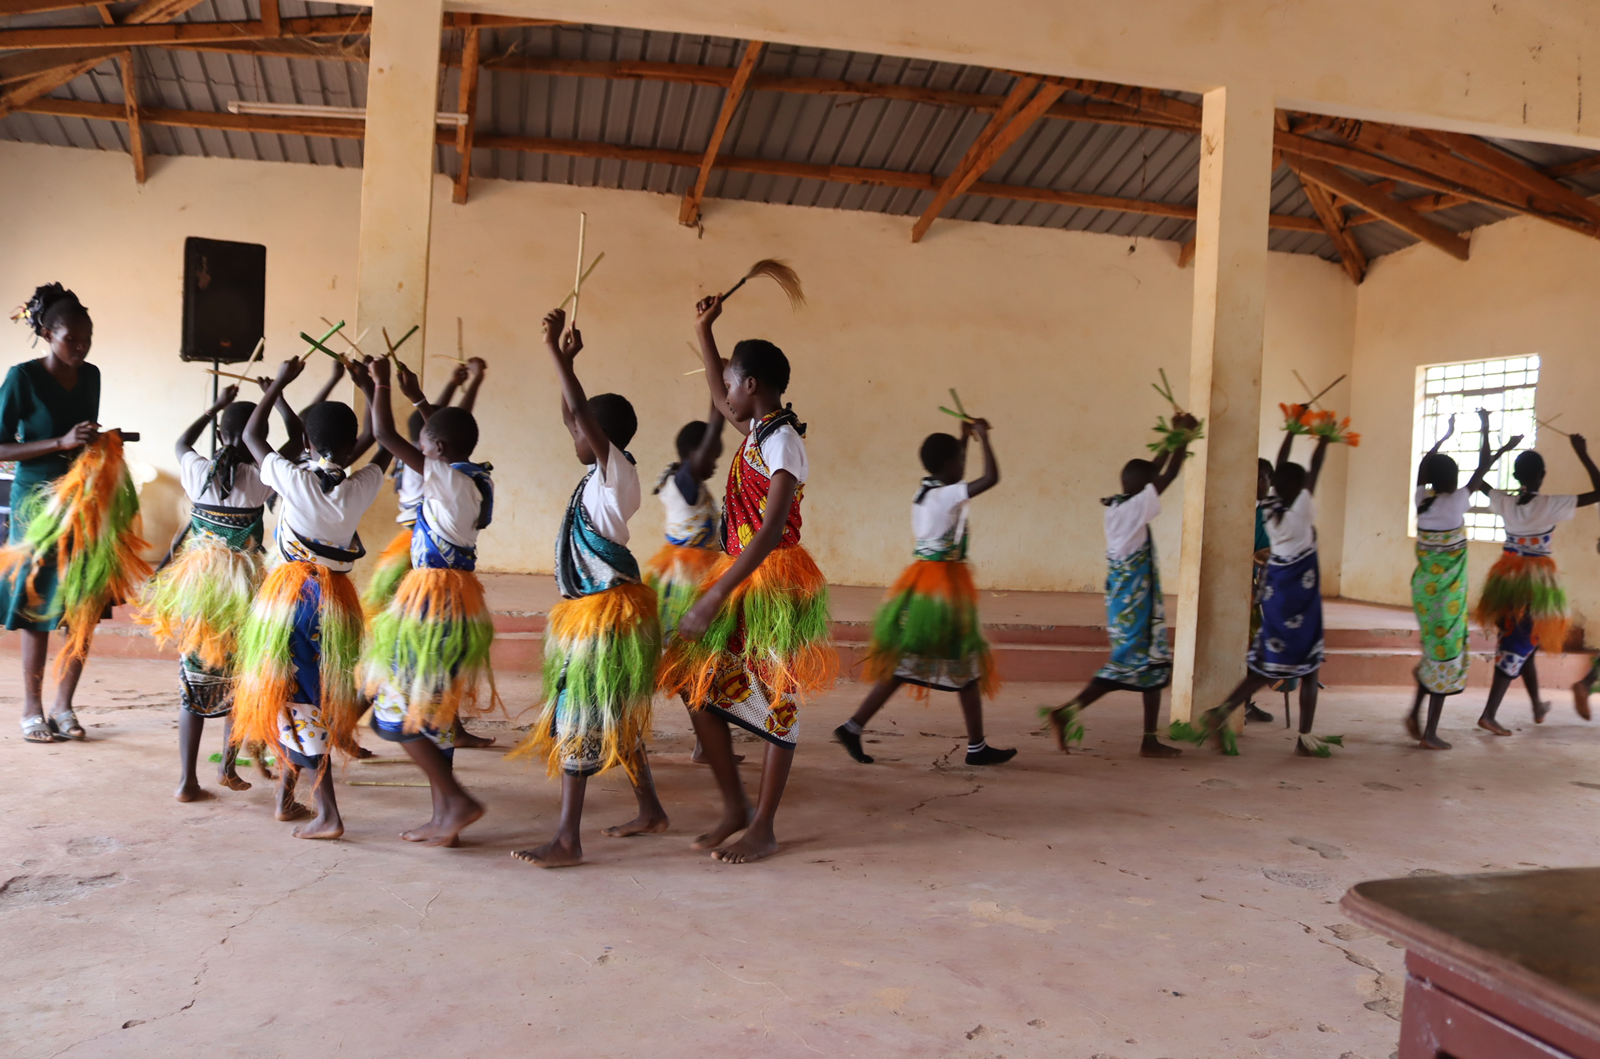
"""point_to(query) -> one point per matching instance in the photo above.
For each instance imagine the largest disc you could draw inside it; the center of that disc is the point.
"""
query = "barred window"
(1507, 389)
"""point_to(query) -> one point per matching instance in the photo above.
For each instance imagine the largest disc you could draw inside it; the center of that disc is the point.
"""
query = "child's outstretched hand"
(407, 381)
(361, 374)
(476, 366)
(265, 382)
(380, 371)
(225, 398)
(1580, 444)
(1184, 421)
(290, 370)
(460, 375)
(338, 369)
(555, 323)
(707, 309)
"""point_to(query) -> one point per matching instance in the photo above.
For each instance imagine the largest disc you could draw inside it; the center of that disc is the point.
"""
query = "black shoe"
(852, 743)
(1252, 712)
(991, 755)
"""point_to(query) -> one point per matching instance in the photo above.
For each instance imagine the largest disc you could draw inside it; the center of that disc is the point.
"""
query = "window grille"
(1506, 388)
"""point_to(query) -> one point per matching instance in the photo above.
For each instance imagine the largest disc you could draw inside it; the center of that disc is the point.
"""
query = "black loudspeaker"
(224, 299)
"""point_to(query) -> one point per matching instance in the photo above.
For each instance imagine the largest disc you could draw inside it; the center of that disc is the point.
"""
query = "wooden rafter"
(130, 96)
(1520, 173)
(153, 11)
(1350, 255)
(1004, 129)
(28, 7)
(467, 103)
(1576, 167)
(344, 128)
(1381, 205)
(126, 36)
(23, 65)
(25, 92)
(689, 212)
(271, 23)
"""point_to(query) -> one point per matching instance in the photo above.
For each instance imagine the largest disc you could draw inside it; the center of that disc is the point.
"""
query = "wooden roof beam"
(1350, 254)
(467, 103)
(689, 211)
(25, 92)
(1013, 119)
(1380, 205)
(343, 128)
(130, 105)
(1520, 173)
(29, 7)
(125, 36)
(23, 65)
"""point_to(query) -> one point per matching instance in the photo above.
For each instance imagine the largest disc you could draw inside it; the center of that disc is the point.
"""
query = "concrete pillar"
(1230, 290)
(397, 172)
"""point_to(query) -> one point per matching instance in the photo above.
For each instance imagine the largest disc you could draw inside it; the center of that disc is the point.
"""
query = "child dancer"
(1263, 549)
(298, 651)
(756, 640)
(927, 632)
(1522, 600)
(430, 644)
(394, 562)
(1439, 585)
(603, 640)
(676, 571)
(1136, 616)
(198, 601)
(1289, 643)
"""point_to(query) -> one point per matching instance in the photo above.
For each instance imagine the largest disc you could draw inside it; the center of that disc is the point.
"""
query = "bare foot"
(749, 849)
(726, 828)
(258, 754)
(1541, 710)
(553, 854)
(1432, 742)
(1413, 728)
(465, 739)
(1057, 719)
(1153, 747)
(193, 792)
(1301, 751)
(321, 828)
(1580, 698)
(292, 811)
(424, 833)
(459, 814)
(362, 753)
(639, 825)
(233, 781)
(1489, 724)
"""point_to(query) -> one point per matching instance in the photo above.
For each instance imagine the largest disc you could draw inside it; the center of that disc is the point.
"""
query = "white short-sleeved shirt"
(785, 450)
(1535, 518)
(248, 489)
(451, 503)
(611, 495)
(327, 518)
(939, 519)
(686, 521)
(1128, 522)
(1447, 512)
(1296, 532)
(408, 492)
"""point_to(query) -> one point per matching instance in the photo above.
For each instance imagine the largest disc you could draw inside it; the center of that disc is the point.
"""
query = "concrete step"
(1023, 653)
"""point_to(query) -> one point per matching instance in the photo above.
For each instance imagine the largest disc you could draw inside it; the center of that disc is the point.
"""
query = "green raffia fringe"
(264, 647)
(777, 625)
(674, 598)
(926, 626)
(423, 656)
(607, 673)
(91, 573)
(384, 583)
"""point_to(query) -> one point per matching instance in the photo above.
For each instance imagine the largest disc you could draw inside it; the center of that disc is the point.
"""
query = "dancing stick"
(322, 347)
(1320, 393)
(573, 293)
(228, 375)
(1549, 424)
(318, 343)
(577, 273)
(461, 349)
(351, 342)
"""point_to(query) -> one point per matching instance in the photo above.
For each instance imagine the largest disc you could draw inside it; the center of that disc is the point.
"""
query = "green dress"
(34, 407)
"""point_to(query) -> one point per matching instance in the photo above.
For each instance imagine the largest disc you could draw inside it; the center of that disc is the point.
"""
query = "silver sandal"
(35, 726)
(65, 725)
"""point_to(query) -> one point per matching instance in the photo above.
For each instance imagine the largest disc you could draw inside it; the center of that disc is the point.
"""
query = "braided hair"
(50, 304)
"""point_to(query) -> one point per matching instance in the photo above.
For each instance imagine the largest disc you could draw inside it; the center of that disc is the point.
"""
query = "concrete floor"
(1096, 905)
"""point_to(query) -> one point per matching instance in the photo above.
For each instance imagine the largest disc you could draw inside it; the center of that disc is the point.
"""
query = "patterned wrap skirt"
(1439, 596)
(1136, 621)
(1289, 642)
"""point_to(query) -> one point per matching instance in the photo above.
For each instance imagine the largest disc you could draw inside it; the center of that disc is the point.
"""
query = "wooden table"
(1499, 966)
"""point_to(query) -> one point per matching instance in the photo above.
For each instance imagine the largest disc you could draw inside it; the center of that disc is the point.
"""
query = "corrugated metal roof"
(1157, 165)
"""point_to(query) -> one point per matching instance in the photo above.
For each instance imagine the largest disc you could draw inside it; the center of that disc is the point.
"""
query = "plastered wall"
(1527, 288)
(1054, 336)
